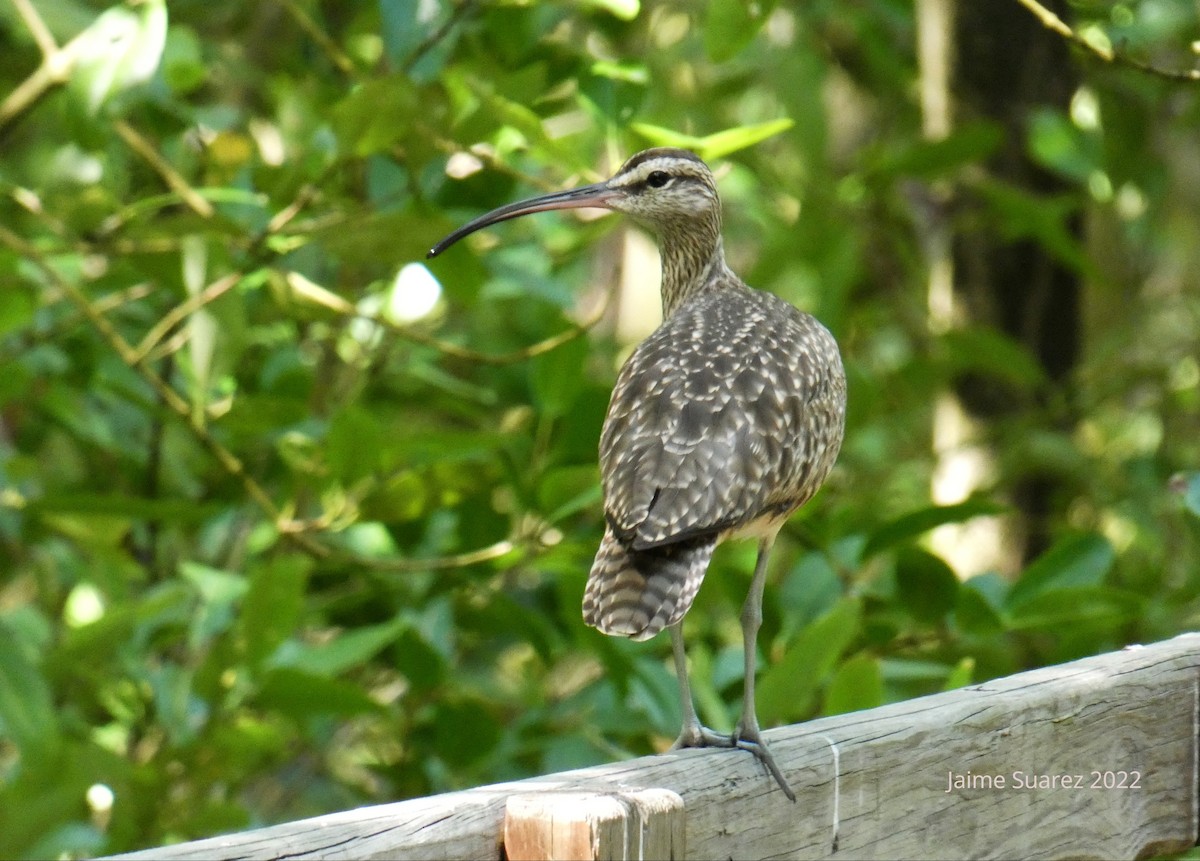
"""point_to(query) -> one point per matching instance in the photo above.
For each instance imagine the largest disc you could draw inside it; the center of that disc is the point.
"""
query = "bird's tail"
(637, 593)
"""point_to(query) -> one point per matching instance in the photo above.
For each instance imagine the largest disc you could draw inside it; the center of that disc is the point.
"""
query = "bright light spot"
(100, 798)
(269, 139)
(84, 605)
(414, 294)
(667, 28)
(781, 28)
(427, 11)
(1131, 203)
(462, 164)
(363, 328)
(1120, 531)
(1085, 109)
(72, 164)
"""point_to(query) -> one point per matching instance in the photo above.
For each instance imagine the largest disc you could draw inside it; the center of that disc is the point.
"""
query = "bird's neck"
(692, 263)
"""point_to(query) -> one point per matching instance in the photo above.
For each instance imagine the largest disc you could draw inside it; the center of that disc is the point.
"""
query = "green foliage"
(280, 539)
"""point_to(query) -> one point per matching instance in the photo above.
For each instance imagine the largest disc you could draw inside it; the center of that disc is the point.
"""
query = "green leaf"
(787, 689)
(219, 593)
(1079, 560)
(427, 448)
(27, 714)
(183, 65)
(961, 676)
(368, 539)
(120, 50)
(125, 505)
(179, 708)
(908, 670)
(1059, 610)
(651, 694)
(465, 730)
(909, 526)
(521, 119)
(931, 159)
(375, 115)
(615, 89)
(403, 497)
(716, 145)
(418, 661)
(706, 683)
(349, 649)
(403, 24)
(730, 25)
(994, 353)
(1020, 214)
(927, 586)
(568, 490)
(1058, 144)
(168, 605)
(354, 443)
(274, 604)
(857, 684)
(974, 614)
(557, 376)
(300, 695)
(16, 311)
(810, 589)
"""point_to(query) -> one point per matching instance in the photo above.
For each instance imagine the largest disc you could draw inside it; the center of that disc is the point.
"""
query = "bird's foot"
(749, 738)
(696, 735)
(744, 738)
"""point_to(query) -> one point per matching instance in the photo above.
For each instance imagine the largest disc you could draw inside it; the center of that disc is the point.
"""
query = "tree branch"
(170, 398)
(54, 70)
(177, 314)
(173, 179)
(336, 55)
(37, 27)
(1052, 22)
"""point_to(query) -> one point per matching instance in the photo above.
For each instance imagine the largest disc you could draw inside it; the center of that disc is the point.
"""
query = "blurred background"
(292, 521)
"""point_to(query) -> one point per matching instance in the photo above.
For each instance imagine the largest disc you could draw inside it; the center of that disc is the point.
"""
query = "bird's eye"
(658, 178)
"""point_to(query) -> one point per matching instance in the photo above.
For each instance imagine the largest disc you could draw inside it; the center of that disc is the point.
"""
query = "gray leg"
(693, 734)
(747, 735)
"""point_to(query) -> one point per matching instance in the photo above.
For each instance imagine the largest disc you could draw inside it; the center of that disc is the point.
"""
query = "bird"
(722, 423)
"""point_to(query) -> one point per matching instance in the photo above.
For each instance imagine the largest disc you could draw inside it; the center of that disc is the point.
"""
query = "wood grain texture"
(870, 784)
(580, 826)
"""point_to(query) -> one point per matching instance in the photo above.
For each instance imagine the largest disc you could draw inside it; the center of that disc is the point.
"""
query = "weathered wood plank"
(873, 784)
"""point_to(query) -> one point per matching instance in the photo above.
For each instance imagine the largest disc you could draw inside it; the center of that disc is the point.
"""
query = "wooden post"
(586, 826)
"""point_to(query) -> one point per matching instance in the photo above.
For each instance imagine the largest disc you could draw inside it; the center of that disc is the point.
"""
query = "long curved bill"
(577, 198)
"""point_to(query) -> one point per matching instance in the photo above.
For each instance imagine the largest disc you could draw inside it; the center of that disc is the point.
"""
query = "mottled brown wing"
(730, 410)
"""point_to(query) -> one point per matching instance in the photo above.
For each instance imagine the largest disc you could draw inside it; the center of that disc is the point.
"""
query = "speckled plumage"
(725, 420)
(722, 423)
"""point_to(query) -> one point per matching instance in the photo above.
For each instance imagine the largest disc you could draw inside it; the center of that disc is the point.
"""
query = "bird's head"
(663, 189)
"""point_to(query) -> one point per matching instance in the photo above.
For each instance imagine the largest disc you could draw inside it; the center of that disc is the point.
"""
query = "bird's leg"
(693, 734)
(747, 735)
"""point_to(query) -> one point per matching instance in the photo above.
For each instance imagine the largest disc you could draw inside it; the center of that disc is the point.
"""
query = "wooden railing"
(1091, 759)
